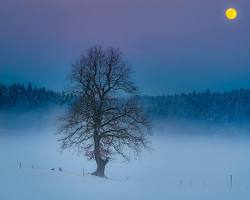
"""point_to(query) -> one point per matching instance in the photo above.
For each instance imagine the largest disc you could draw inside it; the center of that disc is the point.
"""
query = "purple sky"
(173, 45)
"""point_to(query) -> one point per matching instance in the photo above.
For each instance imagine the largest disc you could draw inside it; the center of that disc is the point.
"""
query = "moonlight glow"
(231, 13)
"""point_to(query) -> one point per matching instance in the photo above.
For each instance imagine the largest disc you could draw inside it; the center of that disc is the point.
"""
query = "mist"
(188, 160)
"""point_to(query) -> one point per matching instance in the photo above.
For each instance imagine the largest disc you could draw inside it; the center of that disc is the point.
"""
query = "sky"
(173, 46)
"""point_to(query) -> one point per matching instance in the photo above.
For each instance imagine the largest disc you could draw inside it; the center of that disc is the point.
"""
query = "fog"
(188, 161)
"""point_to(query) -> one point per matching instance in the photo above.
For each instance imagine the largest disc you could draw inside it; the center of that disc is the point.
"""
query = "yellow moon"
(231, 13)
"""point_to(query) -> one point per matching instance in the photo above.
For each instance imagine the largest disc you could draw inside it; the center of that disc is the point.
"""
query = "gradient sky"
(173, 45)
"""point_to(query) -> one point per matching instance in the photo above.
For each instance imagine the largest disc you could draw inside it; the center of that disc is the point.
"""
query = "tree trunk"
(100, 169)
(99, 161)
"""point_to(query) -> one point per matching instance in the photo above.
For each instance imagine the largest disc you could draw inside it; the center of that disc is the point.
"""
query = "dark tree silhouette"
(107, 118)
(21, 97)
(213, 107)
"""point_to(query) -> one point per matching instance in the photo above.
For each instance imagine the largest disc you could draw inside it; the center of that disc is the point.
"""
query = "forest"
(28, 97)
(216, 107)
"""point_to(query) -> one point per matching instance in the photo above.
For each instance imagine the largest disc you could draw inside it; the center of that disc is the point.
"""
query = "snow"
(179, 167)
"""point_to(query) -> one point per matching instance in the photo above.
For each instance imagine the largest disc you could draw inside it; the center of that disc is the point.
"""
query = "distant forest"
(217, 107)
(27, 97)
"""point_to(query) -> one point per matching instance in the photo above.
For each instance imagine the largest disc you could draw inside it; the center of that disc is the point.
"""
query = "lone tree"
(106, 119)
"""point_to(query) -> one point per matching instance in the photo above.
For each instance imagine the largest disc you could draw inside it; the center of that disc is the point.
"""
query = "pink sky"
(174, 45)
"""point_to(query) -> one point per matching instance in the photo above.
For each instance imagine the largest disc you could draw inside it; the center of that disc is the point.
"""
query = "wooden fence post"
(231, 181)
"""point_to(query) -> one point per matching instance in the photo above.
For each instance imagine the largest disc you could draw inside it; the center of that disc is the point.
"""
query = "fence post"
(190, 181)
(231, 181)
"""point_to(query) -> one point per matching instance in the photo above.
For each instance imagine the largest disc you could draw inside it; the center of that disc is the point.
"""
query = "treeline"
(26, 97)
(218, 107)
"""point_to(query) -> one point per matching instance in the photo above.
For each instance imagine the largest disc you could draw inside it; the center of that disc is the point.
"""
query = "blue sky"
(173, 46)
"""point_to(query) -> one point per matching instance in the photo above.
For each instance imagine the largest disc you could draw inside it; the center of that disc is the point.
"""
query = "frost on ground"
(181, 166)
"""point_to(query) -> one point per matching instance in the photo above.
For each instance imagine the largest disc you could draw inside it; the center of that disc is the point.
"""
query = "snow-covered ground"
(181, 167)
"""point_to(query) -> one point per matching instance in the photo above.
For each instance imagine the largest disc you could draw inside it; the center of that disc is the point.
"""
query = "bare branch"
(102, 122)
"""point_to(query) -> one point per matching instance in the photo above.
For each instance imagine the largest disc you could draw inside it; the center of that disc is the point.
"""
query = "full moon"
(231, 13)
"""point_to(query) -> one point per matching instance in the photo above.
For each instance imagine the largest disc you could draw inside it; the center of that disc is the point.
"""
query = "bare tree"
(107, 118)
